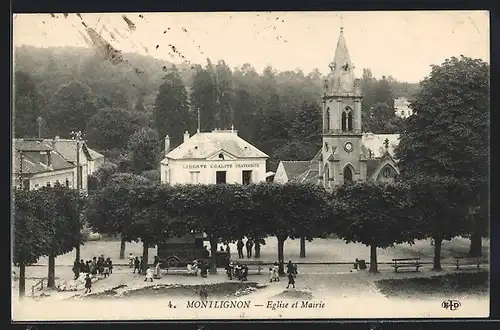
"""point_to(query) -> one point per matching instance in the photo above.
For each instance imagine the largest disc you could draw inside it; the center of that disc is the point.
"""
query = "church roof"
(318, 157)
(203, 145)
(309, 176)
(294, 168)
(375, 143)
(341, 79)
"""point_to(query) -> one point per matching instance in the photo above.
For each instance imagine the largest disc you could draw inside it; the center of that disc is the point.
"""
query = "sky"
(397, 43)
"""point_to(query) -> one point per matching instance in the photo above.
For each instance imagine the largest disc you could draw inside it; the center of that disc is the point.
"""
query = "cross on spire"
(386, 143)
(341, 23)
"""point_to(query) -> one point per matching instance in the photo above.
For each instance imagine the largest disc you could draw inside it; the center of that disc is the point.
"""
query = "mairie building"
(216, 157)
(347, 154)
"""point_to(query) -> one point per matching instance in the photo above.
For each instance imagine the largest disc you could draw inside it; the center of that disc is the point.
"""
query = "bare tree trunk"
(77, 250)
(122, 247)
(373, 259)
(302, 247)
(281, 258)
(22, 280)
(145, 257)
(51, 278)
(437, 253)
(257, 250)
(213, 255)
(476, 245)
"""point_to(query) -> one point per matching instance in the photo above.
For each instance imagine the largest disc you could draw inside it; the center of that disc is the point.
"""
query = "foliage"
(171, 109)
(448, 133)
(28, 105)
(144, 150)
(111, 128)
(100, 178)
(31, 234)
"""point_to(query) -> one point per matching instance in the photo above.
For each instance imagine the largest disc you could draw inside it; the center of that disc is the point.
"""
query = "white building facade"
(216, 157)
(402, 107)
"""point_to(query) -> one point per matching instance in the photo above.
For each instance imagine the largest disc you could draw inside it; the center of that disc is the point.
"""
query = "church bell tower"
(342, 157)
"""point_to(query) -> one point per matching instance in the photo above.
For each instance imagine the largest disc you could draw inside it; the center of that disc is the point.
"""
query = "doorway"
(347, 174)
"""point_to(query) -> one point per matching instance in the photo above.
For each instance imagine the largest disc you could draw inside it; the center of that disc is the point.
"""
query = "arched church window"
(347, 174)
(326, 146)
(387, 172)
(327, 118)
(326, 176)
(349, 121)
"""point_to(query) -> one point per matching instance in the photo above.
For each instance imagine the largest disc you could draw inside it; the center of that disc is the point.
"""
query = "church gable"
(386, 169)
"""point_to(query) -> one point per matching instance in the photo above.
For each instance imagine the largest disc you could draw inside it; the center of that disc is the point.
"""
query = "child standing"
(149, 275)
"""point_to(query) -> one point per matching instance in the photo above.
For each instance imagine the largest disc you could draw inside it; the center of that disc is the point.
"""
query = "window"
(220, 177)
(194, 177)
(387, 172)
(402, 113)
(67, 183)
(246, 177)
(326, 176)
(80, 174)
(347, 119)
(327, 118)
(48, 184)
(167, 176)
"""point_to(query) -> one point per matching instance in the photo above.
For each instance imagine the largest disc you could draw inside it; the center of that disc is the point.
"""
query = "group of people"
(291, 270)
(235, 269)
(138, 264)
(195, 265)
(249, 244)
(96, 266)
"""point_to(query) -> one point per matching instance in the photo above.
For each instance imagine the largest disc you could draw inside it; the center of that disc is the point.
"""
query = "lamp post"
(21, 156)
(77, 136)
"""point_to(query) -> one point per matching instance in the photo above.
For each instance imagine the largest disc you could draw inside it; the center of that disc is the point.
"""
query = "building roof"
(31, 145)
(375, 143)
(309, 176)
(67, 148)
(32, 163)
(204, 145)
(294, 168)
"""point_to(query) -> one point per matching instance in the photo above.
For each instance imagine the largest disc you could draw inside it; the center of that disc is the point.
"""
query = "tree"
(171, 109)
(71, 108)
(111, 128)
(144, 150)
(100, 178)
(61, 207)
(111, 208)
(376, 214)
(216, 210)
(444, 212)
(307, 123)
(28, 105)
(31, 234)
(204, 98)
(448, 133)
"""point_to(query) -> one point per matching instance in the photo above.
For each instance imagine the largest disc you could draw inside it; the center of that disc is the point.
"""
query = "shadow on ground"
(449, 285)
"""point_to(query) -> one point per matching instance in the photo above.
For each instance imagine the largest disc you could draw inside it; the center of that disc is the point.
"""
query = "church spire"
(342, 70)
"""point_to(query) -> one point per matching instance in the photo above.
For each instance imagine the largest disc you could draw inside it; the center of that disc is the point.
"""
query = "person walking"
(88, 284)
(76, 269)
(249, 245)
(239, 247)
(156, 265)
(110, 265)
(137, 265)
(141, 265)
(291, 280)
(276, 269)
(131, 260)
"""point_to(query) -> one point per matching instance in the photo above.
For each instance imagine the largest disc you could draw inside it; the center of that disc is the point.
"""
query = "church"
(347, 154)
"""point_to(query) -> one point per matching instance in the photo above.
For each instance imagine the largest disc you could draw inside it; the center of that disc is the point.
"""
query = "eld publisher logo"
(451, 305)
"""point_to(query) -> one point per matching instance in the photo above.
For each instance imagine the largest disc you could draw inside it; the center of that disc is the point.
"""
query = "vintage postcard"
(250, 165)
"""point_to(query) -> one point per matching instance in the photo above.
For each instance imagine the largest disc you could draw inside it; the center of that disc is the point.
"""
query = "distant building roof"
(294, 168)
(67, 148)
(204, 145)
(32, 163)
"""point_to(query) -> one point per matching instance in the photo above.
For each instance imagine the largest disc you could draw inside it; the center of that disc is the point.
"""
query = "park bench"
(254, 265)
(468, 262)
(406, 263)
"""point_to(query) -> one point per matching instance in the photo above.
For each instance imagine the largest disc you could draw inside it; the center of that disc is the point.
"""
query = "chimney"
(186, 136)
(167, 144)
(54, 142)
